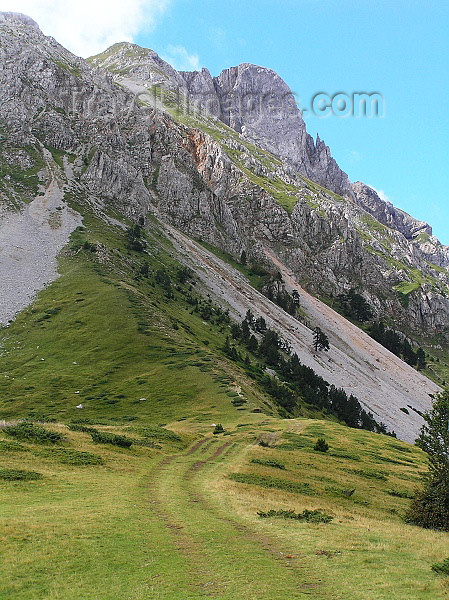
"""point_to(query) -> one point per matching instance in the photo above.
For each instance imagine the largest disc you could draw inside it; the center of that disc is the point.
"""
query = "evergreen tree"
(430, 508)
(408, 354)
(320, 340)
(420, 359)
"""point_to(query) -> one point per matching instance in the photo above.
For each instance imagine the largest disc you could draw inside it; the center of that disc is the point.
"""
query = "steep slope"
(357, 363)
(120, 157)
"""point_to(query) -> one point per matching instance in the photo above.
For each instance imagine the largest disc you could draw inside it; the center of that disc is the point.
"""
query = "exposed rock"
(213, 184)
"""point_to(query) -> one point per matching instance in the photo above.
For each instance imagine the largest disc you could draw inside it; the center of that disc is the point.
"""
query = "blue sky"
(398, 48)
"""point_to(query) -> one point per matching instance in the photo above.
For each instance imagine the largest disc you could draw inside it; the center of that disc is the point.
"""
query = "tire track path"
(227, 558)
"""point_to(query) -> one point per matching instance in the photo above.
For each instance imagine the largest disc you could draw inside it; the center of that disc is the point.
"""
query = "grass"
(175, 515)
(170, 523)
(153, 362)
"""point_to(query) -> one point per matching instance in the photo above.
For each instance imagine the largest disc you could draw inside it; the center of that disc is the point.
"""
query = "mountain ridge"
(125, 158)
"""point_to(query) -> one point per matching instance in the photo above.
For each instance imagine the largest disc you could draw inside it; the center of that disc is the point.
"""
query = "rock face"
(252, 100)
(386, 213)
(220, 180)
(257, 103)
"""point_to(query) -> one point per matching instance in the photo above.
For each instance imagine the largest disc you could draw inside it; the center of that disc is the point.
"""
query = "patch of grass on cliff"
(256, 274)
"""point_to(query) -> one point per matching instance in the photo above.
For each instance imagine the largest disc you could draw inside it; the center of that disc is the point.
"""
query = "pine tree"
(320, 340)
(420, 359)
(430, 508)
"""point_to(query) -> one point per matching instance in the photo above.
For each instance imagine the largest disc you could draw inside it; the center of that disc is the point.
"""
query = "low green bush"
(67, 456)
(321, 445)
(7, 446)
(379, 475)
(218, 429)
(19, 475)
(310, 516)
(296, 487)
(268, 463)
(102, 437)
(33, 433)
(401, 494)
(83, 428)
(441, 568)
(158, 432)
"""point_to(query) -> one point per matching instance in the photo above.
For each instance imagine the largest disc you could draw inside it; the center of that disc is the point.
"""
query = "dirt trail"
(226, 557)
(382, 382)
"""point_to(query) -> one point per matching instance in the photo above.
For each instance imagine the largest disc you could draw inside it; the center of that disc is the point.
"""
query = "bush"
(441, 568)
(321, 445)
(295, 487)
(83, 428)
(33, 433)
(401, 494)
(7, 446)
(269, 463)
(102, 437)
(310, 516)
(430, 508)
(218, 429)
(19, 475)
(67, 456)
(158, 433)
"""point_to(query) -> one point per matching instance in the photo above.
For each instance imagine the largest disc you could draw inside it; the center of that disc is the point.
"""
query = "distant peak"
(19, 18)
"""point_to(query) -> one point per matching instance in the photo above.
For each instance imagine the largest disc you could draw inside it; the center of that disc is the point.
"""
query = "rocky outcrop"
(252, 100)
(386, 213)
(129, 156)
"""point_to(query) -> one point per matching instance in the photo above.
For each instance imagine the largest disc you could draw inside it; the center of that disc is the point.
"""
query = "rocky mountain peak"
(253, 100)
(387, 214)
(18, 19)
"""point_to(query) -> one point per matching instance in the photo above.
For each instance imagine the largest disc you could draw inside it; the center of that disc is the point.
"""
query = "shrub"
(430, 508)
(7, 446)
(321, 445)
(218, 429)
(19, 475)
(310, 516)
(33, 433)
(441, 568)
(268, 463)
(159, 433)
(67, 456)
(83, 428)
(102, 437)
(401, 494)
(379, 475)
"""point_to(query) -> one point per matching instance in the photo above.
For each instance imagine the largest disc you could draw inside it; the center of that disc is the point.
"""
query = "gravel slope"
(30, 241)
(382, 382)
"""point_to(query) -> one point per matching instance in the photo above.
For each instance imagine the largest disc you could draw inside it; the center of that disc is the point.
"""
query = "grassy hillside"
(176, 514)
(107, 337)
(180, 520)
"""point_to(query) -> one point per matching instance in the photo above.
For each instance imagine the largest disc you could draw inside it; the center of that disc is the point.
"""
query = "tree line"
(294, 381)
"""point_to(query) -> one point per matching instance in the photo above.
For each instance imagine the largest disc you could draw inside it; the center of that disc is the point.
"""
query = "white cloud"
(180, 59)
(382, 195)
(354, 156)
(87, 27)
